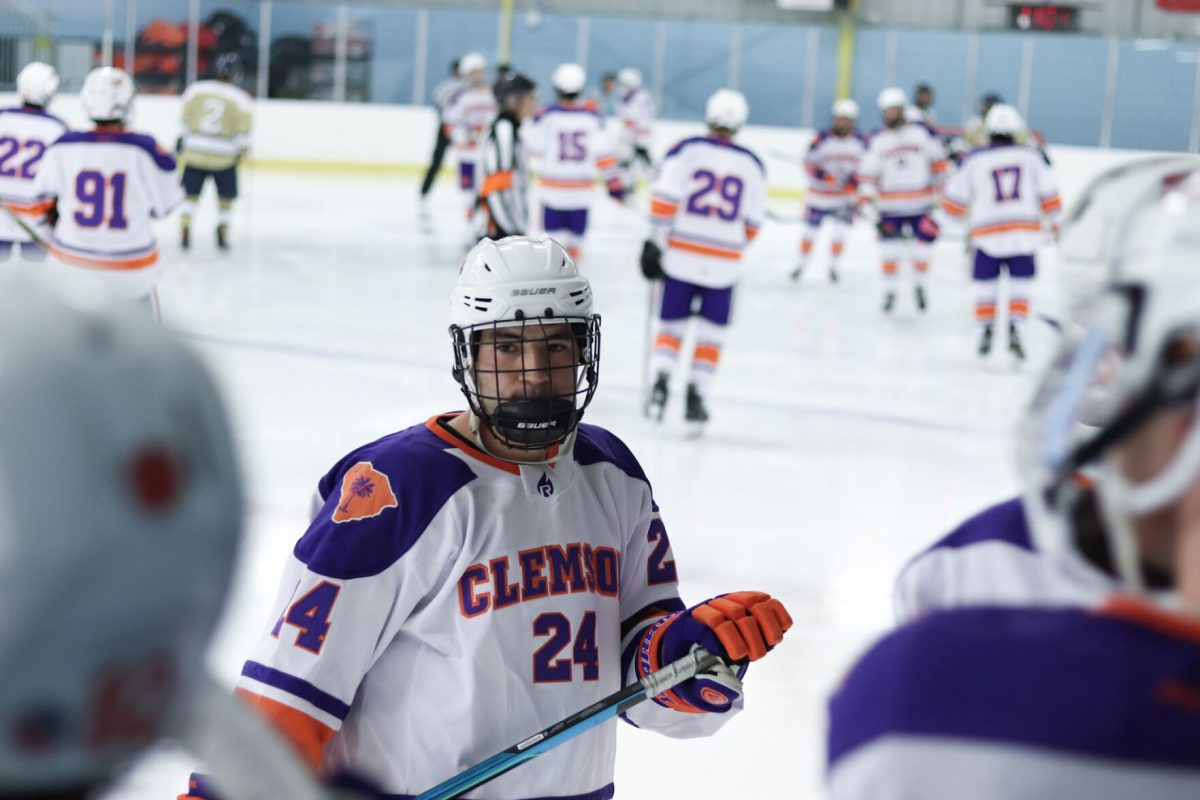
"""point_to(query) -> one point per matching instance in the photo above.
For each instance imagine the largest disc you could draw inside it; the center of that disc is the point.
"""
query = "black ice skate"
(985, 341)
(920, 295)
(185, 237)
(695, 411)
(889, 302)
(833, 275)
(1014, 343)
(797, 272)
(222, 237)
(658, 398)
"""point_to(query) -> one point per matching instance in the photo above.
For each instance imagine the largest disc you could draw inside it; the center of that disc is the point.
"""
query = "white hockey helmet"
(37, 83)
(471, 63)
(892, 97)
(726, 109)
(1003, 120)
(120, 517)
(107, 95)
(846, 108)
(529, 284)
(630, 78)
(569, 79)
(1131, 352)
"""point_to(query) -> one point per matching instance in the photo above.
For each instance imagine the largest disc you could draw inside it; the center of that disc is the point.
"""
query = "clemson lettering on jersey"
(544, 572)
(366, 493)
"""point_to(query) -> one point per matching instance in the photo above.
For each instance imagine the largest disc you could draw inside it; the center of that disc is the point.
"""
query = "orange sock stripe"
(890, 267)
(836, 248)
(806, 246)
(668, 341)
(921, 266)
(707, 352)
(1018, 308)
(985, 311)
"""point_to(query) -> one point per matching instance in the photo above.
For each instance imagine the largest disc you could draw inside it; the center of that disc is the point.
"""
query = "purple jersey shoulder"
(1004, 522)
(34, 112)
(1056, 680)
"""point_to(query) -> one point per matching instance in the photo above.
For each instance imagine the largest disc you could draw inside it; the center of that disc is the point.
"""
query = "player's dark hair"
(1002, 138)
(454, 67)
(570, 97)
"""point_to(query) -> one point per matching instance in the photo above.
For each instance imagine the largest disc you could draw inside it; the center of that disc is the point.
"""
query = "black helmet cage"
(526, 422)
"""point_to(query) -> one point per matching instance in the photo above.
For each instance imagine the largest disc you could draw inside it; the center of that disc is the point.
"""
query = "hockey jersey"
(445, 603)
(108, 186)
(25, 133)
(902, 169)
(991, 559)
(1003, 191)
(217, 117)
(470, 117)
(636, 113)
(571, 146)
(708, 201)
(831, 163)
(1021, 704)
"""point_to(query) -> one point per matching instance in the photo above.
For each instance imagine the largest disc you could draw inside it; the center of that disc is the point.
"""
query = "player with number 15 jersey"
(108, 185)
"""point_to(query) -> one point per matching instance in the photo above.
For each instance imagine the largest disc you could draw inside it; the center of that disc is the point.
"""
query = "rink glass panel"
(1068, 109)
(453, 34)
(541, 42)
(774, 59)
(939, 59)
(697, 64)
(614, 43)
(870, 68)
(1155, 89)
(392, 60)
(999, 70)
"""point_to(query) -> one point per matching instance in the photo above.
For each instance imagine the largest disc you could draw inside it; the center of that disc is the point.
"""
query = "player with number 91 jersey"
(25, 134)
(108, 187)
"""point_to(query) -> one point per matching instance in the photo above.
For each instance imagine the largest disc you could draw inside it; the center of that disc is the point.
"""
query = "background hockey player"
(502, 208)
(922, 104)
(832, 164)
(217, 117)
(470, 117)
(413, 635)
(33, 128)
(571, 146)
(444, 95)
(900, 173)
(1091, 703)
(106, 187)
(708, 203)
(636, 114)
(1003, 192)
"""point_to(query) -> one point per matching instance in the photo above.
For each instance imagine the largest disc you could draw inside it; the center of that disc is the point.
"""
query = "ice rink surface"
(841, 442)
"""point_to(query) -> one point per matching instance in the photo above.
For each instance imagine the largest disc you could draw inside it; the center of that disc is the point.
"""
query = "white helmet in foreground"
(1003, 120)
(526, 290)
(1132, 354)
(630, 78)
(726, 109)
(892, 97)
(120, 517)
(471, 62)
(37, 84)
(569, 79)
(845, 108)
(107, 95)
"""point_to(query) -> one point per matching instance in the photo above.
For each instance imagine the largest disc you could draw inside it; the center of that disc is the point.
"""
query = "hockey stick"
(38, 240)
(580, 722)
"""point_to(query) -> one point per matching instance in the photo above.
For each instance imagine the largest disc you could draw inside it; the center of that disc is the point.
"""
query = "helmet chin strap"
(1112, 494)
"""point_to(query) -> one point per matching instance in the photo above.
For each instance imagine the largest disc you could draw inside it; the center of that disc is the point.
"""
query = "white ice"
(841, 441)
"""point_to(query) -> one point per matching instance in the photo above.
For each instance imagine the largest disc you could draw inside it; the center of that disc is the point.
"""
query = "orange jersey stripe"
(496, 182)
(952, 208)
(1051, 203)
(661, 208)
(604, 162)
(554, 183)
(104, 263)
(906, 195)
(751, 232)
(1006, 227)
(31, 209)
(706, 249)
(939, 166)
(307, 735)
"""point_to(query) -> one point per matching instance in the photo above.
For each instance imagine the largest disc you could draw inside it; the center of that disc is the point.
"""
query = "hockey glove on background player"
(616, 190)
(928, 226)
(652, 261)
(739, 627)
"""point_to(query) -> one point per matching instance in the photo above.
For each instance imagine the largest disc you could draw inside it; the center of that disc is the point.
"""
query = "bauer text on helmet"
(526, 341)
(569, 79)
(726, 110)
(37, 83)
(107, 95)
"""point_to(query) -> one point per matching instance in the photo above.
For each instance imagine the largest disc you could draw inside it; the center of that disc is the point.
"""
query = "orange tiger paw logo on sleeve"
(366, 493)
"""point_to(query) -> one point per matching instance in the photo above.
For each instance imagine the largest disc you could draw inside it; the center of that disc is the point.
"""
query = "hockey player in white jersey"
(106, 187)
(1098, 702)
(832, 164)
(470, 116)
(708, 203)
(900, 175)
(571, 146)
(1004, 192)
(636, 114)
(475, 577)
(993, 558)
(502, 207)
(28, 129)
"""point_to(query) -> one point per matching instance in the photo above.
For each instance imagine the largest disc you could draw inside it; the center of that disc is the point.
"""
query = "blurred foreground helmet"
(120, 515)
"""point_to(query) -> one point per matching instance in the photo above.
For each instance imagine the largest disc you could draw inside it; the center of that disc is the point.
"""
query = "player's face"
(893, 116)
(525, 106)
(843, 125)
(924, 99)
(528, 362)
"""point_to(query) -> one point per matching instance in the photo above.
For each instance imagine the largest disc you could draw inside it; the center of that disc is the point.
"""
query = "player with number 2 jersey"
(108, 185)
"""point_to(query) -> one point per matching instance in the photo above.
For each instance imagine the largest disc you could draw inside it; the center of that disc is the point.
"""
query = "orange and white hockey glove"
(740, 627)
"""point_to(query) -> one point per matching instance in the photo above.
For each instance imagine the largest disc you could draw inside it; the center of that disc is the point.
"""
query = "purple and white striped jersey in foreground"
(1021, 704)
(991, 560)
